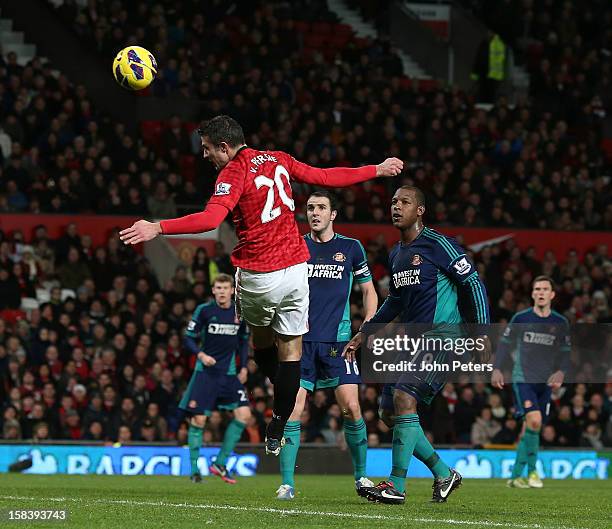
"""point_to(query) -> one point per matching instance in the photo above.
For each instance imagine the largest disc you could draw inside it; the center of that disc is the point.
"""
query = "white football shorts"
(276, 299)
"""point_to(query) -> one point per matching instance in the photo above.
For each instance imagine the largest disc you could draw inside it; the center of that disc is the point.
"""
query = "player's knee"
(387, 417)
(404, 403)
(289, 348)
(198, 420)
(242, 414)
(533, 420)
(351, 410)
(534, 423)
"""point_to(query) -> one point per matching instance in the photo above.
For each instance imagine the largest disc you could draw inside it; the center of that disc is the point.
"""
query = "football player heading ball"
(272, 276)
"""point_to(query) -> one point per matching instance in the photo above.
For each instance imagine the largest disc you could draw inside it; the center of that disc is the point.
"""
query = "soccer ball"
(134, 68)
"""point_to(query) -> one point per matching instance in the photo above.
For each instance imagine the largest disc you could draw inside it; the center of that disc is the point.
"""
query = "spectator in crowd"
(485, 428)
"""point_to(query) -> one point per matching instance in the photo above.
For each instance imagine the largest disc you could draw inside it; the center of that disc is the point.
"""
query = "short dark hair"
(223, 129)
(420, 196)
(543, 278)
(224, 278)
(326, 194)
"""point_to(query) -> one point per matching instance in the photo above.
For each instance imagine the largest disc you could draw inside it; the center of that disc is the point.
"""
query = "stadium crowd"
(103, 360)
(536, 164)
(566, 49)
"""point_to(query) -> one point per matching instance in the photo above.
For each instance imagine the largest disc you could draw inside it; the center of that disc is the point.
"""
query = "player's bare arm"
(370, 304)
(369, 298)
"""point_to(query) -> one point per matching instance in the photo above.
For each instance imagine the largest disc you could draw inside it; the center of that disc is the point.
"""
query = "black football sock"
(285, 392)
(266, 359)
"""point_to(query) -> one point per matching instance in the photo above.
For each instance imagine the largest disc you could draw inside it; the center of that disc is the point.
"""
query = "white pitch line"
(272, 510)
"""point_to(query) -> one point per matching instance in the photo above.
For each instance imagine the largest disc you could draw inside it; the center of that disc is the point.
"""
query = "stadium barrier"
(163, 459)
(99, 227)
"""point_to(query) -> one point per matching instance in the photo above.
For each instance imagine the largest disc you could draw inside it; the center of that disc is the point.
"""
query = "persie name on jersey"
(406, 278)
(325, 271)
(260, 160)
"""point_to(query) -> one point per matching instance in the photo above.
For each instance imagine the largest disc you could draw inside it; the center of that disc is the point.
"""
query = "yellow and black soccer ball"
(134, 68)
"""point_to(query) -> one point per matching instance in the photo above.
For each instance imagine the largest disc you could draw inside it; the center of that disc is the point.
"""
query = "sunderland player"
(272, 276)
(540, 338)
(335, 262)
(216, 336)
(431, 275)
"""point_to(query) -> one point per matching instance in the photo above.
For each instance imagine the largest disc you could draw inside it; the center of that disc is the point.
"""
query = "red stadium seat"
(406, 83)
(427, 85)
(534, 54)
(343, 29)
(187, 165)
(606, 145)
(361, 42)
(339, 40)
(307, 55)
(315, 41)
(145, 92)
(12, 316)
(232, 22)
(302, 26)
(329, 53)
(190, 126)
(322, 28)
(151, 131)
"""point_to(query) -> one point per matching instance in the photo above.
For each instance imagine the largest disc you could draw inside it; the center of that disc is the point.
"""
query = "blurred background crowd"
(103, 358)
(537, 163)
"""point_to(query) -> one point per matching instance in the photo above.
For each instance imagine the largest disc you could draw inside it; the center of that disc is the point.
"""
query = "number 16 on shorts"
(351, 367)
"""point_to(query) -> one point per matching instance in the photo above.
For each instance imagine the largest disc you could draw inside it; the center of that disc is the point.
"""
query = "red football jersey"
(256, 187)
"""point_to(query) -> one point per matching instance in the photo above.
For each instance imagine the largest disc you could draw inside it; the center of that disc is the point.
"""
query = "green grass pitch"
(322, 501)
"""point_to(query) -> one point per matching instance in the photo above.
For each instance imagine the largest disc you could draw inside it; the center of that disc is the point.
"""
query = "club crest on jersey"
(462, 266)
(223, 189)
(416, 260)
(339, 257)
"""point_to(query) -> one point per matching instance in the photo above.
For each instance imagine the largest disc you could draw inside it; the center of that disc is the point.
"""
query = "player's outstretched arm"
(344, 176)
(142, 230)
